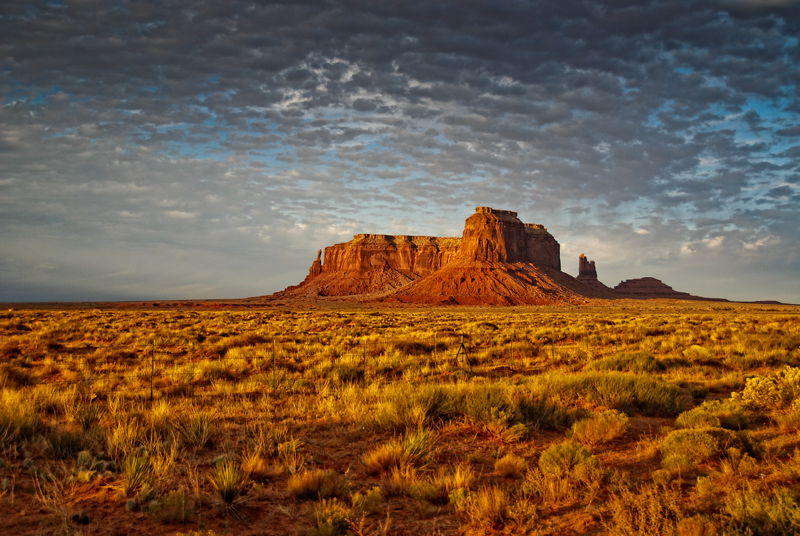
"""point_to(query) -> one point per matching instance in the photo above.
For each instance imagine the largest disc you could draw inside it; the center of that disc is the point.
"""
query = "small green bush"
(600, 428)
(63, 445)
(319, 484)
(686, 448)
(766, 393)
(566, 459)
(761, 514)
(229, 480)
(647, 511)
(331, 518)
(136, 473)
(639, 362)
(614, 390)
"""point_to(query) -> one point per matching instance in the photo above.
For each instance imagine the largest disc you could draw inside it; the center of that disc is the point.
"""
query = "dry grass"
(256, 402)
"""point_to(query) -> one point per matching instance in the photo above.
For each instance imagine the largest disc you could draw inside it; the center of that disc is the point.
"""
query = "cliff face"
(415, 256)
(499, 260)
(492, 235)
(586, 269)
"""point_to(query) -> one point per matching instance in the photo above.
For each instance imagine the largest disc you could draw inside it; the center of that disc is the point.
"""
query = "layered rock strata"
(498, 260)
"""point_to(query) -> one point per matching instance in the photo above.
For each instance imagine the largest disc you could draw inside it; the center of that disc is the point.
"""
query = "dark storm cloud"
(249, 134)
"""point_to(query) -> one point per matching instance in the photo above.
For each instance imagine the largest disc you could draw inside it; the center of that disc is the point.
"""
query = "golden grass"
(246, 397)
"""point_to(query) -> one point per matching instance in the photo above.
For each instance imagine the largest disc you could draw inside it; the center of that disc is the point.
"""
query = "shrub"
(14, 377)
(489, 404)
(417, 406)
(697, 353)
(366, 503)
(614, 390)
(229, 480)
(699, 391)
(88, 415)
(765, 393)
(566, 459)
(639, 362)
(331, 518)
(510, 465)
(697, 418)
(67, 444)
(541, 413)
(647, 511)
(415, 449)
(319, 484)
(688, 447)
(18, 420)
(136, 473)
(600, 428)
(566, 471)
(753, 512)
(488, 507)
(196, 430)
(175, 507)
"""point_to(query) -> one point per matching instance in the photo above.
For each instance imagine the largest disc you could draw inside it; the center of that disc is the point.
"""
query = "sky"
(176, 149)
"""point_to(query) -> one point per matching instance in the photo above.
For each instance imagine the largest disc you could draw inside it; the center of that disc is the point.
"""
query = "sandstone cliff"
(499, 260)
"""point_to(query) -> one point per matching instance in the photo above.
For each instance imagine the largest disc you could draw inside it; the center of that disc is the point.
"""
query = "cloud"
(253, 119)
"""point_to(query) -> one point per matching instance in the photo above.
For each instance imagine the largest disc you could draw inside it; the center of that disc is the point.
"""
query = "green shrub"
(639, 362)
(600, 428)
(17, 425)
(414, 449)
(14, 377)
(648, 511)
(66, 444)
(331, 518)
(175, 507)
(510, 465)
(761, 514)
(614, 390)
(229, 480)
(766, 393)
(88, 415)
(699, 391)
(566, 459)
(541, 413)
(416, 406)
(688, 447)
(488, 507)
(714, 413)
(319, 484)
(489, 404)
(136, 473)
(196, 430)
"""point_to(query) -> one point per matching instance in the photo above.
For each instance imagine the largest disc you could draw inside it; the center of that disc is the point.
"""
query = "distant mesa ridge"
(498, 260)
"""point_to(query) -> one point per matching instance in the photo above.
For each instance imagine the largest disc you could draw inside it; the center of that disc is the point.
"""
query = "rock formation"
(497, 261)
(650, 287)
(586, 269)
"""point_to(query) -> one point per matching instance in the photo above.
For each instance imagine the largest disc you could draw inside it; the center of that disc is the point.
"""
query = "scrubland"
(680, 419)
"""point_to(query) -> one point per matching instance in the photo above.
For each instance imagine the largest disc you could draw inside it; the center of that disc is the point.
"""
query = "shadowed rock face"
(586, 269)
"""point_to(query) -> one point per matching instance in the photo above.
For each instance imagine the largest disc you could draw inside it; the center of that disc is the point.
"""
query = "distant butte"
(498, 261)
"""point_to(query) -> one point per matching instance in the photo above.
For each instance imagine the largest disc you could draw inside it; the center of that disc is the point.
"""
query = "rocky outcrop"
(651, 288)
(499, 260)
(586, 269)
(492, 235)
